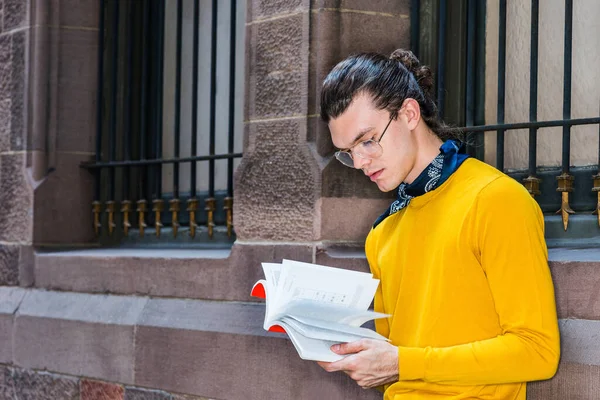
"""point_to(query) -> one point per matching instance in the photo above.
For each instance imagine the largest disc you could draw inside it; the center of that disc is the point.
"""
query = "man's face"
(362, 121)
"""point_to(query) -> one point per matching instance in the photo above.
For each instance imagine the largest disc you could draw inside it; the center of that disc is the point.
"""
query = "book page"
(325, 285)
(272, 272)
(344, 335)
(311, 349)
(310, 311)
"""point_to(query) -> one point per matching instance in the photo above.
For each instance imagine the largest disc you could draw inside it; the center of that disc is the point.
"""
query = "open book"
(317, 306)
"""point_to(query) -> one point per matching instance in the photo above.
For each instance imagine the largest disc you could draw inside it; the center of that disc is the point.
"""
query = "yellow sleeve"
(381, 324)
(509, 239)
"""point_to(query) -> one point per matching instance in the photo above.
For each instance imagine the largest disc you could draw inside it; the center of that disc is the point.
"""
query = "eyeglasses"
(368, 149)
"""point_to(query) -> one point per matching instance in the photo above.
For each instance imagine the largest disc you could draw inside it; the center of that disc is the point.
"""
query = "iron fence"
(470, 68)
(147, 163)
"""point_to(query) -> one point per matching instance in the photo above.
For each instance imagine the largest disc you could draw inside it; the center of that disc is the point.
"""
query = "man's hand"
(370, 362)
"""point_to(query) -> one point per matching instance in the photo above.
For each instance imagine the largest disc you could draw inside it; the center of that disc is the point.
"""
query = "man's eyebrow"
(358, 136)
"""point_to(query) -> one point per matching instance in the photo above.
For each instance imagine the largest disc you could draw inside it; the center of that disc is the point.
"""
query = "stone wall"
(47, 117)
(18, 383)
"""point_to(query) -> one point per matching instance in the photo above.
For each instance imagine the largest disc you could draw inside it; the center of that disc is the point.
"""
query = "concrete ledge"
(572, 381)
(580, 341)
(200, 274)
(78, 334)
(10, 299)
(192, 346)
(229, 275)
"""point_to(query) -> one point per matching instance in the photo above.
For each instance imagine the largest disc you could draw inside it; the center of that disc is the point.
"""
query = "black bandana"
(443, 165)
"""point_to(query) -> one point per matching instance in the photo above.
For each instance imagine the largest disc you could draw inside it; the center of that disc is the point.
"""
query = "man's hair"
(388, 81)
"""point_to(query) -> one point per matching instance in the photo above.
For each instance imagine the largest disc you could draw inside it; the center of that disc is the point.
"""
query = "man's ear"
(412, 112)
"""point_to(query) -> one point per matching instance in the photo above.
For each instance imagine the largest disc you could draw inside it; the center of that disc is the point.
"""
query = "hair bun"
(422, 74)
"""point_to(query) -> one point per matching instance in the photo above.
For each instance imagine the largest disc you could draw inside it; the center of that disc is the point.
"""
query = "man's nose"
(360, 163)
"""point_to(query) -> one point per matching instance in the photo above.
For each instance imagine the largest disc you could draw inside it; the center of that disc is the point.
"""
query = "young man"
(460, 255)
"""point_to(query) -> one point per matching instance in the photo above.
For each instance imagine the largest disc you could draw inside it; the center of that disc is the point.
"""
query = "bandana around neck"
(451, 156)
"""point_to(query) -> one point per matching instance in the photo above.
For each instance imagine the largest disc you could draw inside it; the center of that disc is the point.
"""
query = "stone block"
(96, 390)
(15, 14)
(571, 382)
(7, 390)
(10, 299)
(393, 7)
(18, 133)
(260, 9)
(5, 67)
(285, 211)
(9, 265)
(42, 89)
(6, 330)
(206, 274)
(209, 316)
(26, 261)
(77, 80)
(576, 285)
(187, 397)
(77, 13)
(16, 199)
(335, 224)
(579, 341)
(278, 65)
(77, 334)
(193, 362)
(65, 198)
(145, 394)
(5, 119)
(43, 385)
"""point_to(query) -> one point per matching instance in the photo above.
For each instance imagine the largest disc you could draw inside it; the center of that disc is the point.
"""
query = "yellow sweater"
(464, 274)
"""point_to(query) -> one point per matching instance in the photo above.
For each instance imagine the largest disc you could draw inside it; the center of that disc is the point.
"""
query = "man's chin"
(383, 187)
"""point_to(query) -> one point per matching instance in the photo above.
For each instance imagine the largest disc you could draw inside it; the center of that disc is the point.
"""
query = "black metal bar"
(480, 80)
(415, 29)
(441, 61)
(470, 70)
(501, 85)
(537, 124)
(144, 98)
(99, 99)
(533, 86)
(566, 146)
(155, 161)
(213, 98)
(112, 137)
(177, 129)
(128, 104)
(160, 22)
(194, 152)
(230, 148)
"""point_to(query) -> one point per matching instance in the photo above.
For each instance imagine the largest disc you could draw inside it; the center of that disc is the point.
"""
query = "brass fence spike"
(174, 208)
(210, 209)
(596, 189)
(142, 208)
(565, 185)
(126, 210)
(192, 207)
(229, 214)
(158, 208)
(532, 184)
(110, 209)
(97, 209)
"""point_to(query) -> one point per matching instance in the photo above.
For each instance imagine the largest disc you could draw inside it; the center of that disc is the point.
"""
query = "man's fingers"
(349, 348)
